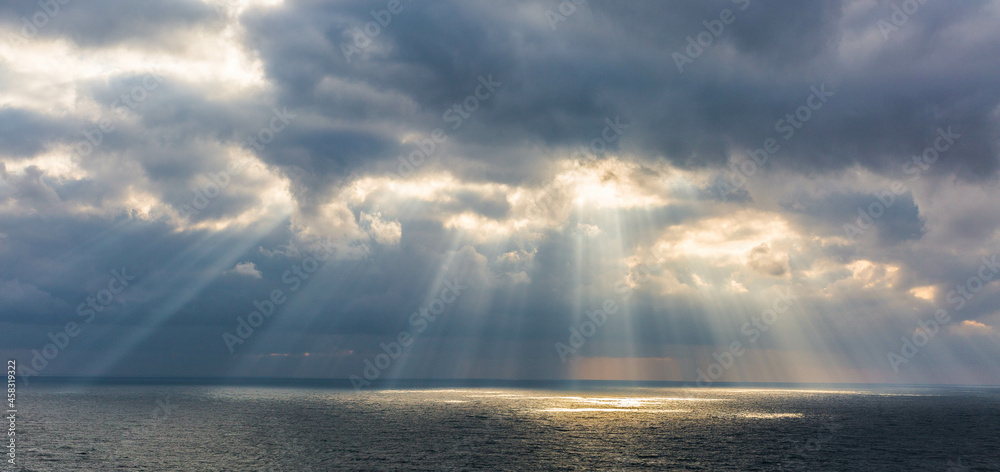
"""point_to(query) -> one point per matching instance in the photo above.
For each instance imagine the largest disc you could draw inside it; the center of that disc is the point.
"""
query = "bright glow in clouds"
(46, 75)
(727, 240)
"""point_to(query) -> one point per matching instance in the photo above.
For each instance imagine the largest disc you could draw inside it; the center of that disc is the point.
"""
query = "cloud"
(383, 232)
(763, 260)
(245, 269)
(971, 328)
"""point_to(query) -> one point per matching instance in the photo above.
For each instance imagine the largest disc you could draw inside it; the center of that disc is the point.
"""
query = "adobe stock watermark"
(457, 115)
(751, 330)
(787, 127)
(362, 36)
(587, 329)
(596, 319)
(714, 28)
(86, 310)
(899, 17)
(121, 106)
(419, 321)
(294, 279)
(887, 197)
(564, 10)
(11, 418)
(219, 181)
(926, 330)
(48, 9)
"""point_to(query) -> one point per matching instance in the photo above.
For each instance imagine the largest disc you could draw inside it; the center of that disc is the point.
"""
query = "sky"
(695, 191)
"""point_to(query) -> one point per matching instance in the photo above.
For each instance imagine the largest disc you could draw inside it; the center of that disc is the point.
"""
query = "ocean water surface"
(212, 428)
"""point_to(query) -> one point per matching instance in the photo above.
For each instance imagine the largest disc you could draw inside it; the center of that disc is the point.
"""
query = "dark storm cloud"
(26, 133)
(852, 215)
(615, 60)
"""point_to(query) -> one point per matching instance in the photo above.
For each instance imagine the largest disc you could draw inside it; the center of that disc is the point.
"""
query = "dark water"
(192, 428)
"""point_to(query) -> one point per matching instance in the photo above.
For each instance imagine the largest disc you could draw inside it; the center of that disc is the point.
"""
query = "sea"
(497, 428)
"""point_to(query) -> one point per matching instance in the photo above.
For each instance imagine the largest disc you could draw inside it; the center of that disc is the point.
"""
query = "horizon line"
(471, 382)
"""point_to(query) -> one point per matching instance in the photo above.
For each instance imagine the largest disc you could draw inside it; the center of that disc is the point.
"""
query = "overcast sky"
(502, 169)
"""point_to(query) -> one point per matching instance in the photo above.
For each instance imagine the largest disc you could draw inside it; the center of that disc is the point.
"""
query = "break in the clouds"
(529, 189)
